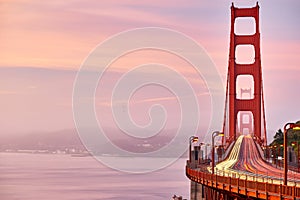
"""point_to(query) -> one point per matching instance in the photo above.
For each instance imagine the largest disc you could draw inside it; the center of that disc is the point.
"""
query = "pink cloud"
(58, 34)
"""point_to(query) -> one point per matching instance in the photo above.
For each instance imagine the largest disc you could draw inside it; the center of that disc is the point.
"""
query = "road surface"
(245, 161)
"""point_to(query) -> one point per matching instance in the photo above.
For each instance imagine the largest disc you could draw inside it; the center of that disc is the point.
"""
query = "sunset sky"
(44, 43)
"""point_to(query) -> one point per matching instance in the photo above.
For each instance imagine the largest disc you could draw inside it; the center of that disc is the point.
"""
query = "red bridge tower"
(255, 103)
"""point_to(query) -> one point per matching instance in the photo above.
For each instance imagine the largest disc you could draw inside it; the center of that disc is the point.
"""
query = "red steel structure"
(254, 105)
(244, 173)
(247, 188)
(243, 115)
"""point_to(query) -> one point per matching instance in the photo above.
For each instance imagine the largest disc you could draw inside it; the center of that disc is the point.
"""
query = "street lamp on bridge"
(206, 155)
(200, 145)
(214, 134)
(192, 140)
(286, 128)
(294, 144)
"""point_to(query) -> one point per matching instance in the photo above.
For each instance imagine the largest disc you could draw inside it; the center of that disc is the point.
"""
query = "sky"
(44, 43)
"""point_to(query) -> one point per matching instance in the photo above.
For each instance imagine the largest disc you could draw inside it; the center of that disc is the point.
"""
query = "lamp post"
(294, 144)
(266, 152)
(280, 163)
(206, 156)
(191, 140)
(202, 157)
(271, 154)
(276, 155)
(298, 156)
(214, 134)
(286, 128)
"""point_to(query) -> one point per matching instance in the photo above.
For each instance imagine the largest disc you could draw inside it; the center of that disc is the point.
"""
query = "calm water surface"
(62, 177)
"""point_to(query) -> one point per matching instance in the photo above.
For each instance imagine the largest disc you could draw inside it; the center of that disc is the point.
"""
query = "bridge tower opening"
(246, 117)
(255, 105)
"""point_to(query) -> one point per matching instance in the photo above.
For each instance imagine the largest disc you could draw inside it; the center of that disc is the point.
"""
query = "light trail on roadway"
(246, 162)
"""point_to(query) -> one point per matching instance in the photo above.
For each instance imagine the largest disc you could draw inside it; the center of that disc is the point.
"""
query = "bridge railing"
(243, 186)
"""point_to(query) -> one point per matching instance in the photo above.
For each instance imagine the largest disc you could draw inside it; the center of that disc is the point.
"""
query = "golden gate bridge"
(244, 172)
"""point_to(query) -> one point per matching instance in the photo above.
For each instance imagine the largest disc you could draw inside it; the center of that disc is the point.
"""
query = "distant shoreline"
(86, 154)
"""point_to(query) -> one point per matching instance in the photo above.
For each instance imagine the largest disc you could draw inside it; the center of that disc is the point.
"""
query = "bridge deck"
(245, 172)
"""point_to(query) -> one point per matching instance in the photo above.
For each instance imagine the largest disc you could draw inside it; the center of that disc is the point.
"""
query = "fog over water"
(47, 176)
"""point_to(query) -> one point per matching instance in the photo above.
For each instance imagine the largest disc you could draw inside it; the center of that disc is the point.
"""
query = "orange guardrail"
(261, 190)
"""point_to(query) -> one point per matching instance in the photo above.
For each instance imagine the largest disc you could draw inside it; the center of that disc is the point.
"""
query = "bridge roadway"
(244, 172)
